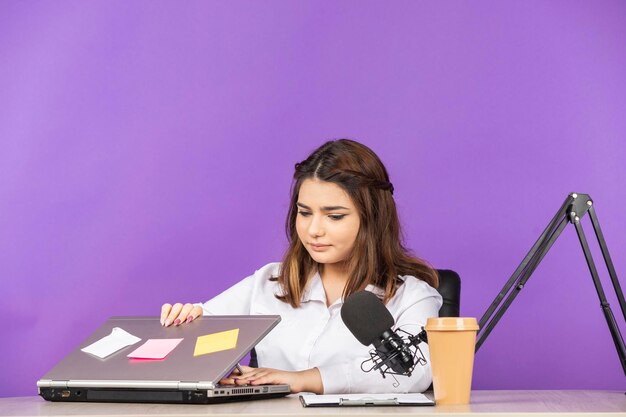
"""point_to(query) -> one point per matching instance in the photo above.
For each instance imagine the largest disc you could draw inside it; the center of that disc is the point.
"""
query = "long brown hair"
(378, 256)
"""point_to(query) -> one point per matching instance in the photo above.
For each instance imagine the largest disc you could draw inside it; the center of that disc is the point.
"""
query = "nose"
(315, 227)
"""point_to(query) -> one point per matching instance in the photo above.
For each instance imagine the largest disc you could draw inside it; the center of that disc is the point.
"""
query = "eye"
(336, 216)
(304, 213)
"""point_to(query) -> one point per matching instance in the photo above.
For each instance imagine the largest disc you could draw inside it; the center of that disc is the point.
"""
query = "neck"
(334, 279)
(337, 272)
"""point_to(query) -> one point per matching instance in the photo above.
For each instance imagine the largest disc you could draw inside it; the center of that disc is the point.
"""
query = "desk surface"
(591, 403)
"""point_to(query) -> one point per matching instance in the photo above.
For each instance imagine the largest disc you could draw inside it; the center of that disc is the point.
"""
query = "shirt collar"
(314, 290)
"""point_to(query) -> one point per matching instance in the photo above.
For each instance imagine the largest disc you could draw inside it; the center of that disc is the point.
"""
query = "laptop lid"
(179, 370)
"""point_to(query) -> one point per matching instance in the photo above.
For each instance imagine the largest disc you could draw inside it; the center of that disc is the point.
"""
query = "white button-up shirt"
(314, 334)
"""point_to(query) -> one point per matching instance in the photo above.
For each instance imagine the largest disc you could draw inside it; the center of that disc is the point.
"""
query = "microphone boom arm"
(572, 211)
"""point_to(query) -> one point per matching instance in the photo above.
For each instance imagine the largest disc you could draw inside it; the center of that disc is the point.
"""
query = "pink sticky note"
(155, 349)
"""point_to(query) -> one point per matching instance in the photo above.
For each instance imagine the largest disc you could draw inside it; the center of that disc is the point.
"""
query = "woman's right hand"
(179, 313)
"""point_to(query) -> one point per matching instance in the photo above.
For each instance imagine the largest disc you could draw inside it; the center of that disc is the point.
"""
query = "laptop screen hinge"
(52, 383)
(188, 385)
(194, 385)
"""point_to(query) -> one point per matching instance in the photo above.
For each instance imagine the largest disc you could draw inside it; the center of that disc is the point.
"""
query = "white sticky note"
(118, 339)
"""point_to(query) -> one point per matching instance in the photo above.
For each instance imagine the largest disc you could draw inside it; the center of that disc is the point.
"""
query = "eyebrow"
(325, 208)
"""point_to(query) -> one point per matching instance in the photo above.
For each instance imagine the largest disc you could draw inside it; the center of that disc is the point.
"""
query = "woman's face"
(327, 221)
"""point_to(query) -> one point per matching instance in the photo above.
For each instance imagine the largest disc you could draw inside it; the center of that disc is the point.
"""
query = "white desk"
(492, 403)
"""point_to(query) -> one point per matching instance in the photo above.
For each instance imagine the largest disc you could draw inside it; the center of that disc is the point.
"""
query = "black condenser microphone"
(370, 322)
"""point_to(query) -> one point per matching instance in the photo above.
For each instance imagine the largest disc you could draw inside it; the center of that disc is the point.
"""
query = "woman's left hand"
(299, 381)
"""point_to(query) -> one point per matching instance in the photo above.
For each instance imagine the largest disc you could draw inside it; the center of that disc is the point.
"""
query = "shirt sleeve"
(348, 377)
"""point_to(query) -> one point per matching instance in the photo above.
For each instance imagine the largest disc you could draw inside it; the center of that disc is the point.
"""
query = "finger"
(248, 369)
(173, 314)
(184, 314)
(194, 314)
(235, 378)
(242, 381)
(266, 379)
(250, 374)
(165, 310)
(227, 381)
(255, 374)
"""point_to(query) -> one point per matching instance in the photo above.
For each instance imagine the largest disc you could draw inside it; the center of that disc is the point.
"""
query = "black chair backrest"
(450, 290)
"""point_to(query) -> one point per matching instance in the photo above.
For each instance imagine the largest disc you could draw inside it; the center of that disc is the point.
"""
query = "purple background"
(147, 150)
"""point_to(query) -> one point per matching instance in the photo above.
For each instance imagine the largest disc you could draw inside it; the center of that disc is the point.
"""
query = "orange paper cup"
(451, 341)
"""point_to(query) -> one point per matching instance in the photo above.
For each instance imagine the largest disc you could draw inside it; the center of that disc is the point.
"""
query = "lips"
(319, 247)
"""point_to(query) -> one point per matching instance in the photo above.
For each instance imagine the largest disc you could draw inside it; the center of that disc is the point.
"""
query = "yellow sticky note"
(216, 342)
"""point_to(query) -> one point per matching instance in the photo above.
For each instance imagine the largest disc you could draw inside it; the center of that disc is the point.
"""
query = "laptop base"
(130, 395)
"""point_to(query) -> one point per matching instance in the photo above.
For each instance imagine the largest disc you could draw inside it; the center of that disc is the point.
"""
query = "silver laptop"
(179, 378)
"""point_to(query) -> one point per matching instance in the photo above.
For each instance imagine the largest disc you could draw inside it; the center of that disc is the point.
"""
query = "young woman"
(344, 236)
